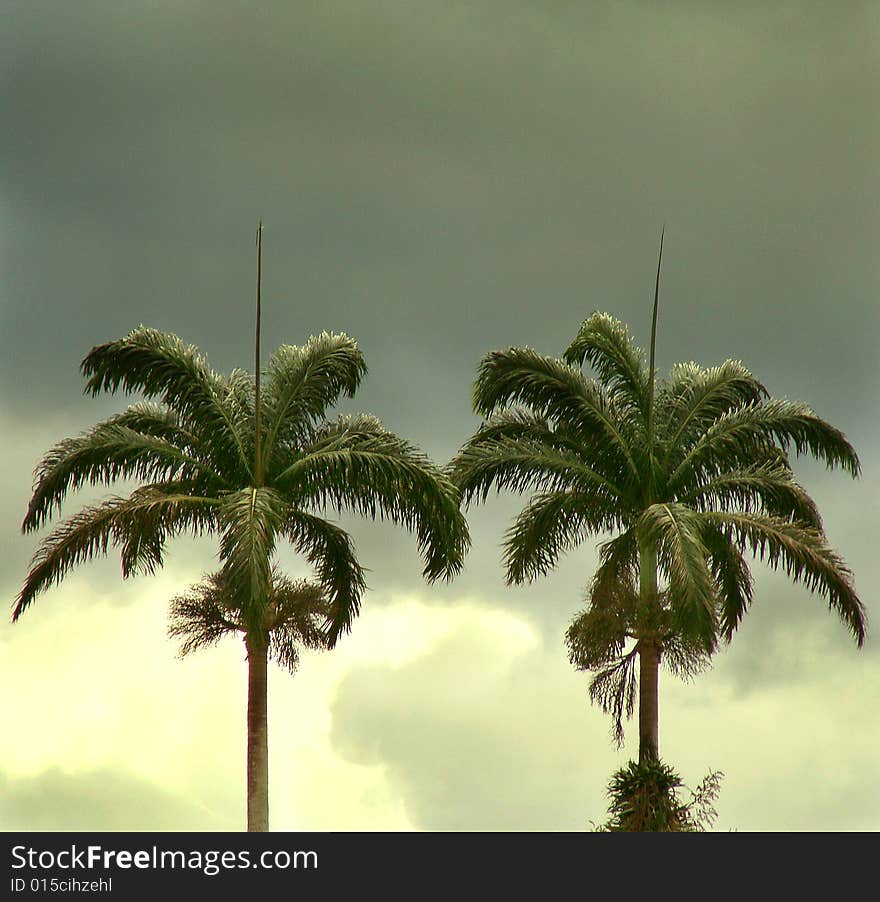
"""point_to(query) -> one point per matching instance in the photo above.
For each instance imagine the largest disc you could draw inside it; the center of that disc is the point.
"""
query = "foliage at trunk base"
(645, 799)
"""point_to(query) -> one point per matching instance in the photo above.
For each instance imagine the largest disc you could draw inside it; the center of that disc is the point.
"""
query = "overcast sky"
(438, 180)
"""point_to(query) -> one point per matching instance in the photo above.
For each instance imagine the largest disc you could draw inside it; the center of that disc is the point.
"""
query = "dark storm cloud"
(440, 180)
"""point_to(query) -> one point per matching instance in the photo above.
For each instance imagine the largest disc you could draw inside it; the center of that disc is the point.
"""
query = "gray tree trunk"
(258, 736)
(649, 661)
(649, 707)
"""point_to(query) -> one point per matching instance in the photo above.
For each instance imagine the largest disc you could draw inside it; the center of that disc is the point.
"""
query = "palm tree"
(212, 455)
(690, 474)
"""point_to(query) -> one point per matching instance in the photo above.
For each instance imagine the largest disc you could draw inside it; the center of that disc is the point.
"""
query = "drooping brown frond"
(293, 618)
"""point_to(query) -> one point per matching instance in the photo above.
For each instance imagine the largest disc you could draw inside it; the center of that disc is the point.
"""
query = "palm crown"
(191, 446)
(691, 474)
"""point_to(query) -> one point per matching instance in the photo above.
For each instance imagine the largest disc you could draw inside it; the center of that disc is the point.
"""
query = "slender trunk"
(649, 660)
(649, 709)
(258, 736)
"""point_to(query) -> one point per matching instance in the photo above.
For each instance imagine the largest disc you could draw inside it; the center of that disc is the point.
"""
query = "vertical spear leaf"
(258, 466)
(651, 373)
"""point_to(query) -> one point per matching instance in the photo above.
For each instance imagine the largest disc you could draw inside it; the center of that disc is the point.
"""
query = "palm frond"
(524, 464)
(676, 532)
(739, 436)
(140, 525)
(518, 423)
(329, 549)
(557, 391)
(239, 403)
(757, 488)
(112, 451)
(732, 578)
(551, 524)
(805, 556)
(160, 365)
(251, 519)
(375, 473)
(159, 421)
(694, 398)
(604, 342)
(304, 381)
(155, 513)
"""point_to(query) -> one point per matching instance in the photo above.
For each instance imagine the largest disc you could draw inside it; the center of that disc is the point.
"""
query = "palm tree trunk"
(649, 661)
(649, 709)
(258, 736)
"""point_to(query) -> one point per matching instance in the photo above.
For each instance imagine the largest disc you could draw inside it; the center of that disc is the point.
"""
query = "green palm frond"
(676, 531)
(805, 556)
(251, 520)
(758, 488)
(155, 513)
(375, 473)
(523, 464)
(329, 549)
(159, 421)
(520, 423)
(239, 403)
(695, 397)
(160, 365)
(551, 524)
(139, 525)
(107, 453)
(732, 578)
(557, 391)
(740, 435)
(604, 343)
(304, 382)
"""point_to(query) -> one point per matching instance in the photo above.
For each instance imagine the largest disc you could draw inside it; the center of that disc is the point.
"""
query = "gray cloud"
(473, 741)
(443, 183)
(101, 799)
(485, 733)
